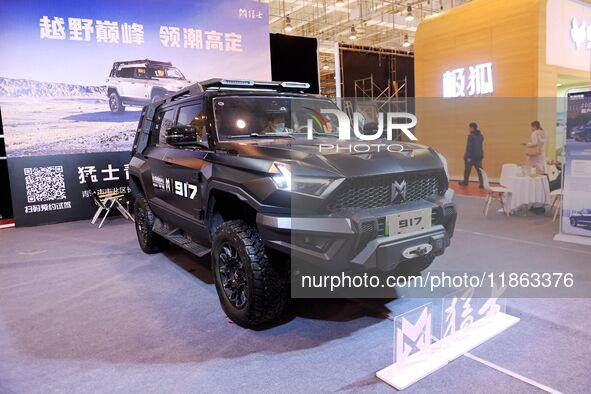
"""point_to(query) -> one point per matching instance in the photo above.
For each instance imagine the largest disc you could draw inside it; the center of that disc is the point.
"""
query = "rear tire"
(115, 103)
(252, 289)
(149, 241)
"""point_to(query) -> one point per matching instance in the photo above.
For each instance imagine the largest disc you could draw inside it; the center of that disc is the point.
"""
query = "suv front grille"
(376, 191)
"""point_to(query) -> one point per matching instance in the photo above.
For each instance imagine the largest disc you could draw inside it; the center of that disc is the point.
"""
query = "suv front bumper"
(357, 240)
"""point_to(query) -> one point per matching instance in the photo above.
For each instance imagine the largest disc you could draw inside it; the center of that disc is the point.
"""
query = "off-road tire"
(149, 241)
(115, 103)
(267, 281)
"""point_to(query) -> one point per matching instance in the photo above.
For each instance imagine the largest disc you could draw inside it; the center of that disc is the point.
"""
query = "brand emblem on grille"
(398, 192)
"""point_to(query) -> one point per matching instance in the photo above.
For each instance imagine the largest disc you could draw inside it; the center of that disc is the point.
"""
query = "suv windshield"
(243, 117)
(165, 72)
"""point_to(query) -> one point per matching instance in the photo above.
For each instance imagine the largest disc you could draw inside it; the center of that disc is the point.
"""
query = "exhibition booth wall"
(497, 64)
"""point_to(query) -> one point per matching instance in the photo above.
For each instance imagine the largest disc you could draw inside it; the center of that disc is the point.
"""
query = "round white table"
(527, 190)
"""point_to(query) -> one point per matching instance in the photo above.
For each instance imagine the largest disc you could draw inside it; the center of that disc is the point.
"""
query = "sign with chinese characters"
(79, 73)
(568, 34)
(54, 189)
(466, 322)
(474, 80)
(461, 310)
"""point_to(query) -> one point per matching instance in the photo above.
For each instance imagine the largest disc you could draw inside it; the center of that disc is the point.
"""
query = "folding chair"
(106, 202)
(556, 196)
(490, 193)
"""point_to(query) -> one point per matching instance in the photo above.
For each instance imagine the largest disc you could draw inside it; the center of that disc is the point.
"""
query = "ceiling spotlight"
(409, 16)
(288, 27)
(406, 43)
(339, 3)
(353, 34)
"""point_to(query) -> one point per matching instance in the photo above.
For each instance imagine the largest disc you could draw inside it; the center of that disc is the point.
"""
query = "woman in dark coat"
(474, 154)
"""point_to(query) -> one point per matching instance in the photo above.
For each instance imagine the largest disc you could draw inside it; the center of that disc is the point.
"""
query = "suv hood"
(304, 158)
(172, 84)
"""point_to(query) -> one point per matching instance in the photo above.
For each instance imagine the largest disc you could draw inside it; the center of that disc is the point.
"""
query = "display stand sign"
(75, 76)
(465, 323)
(575, 223)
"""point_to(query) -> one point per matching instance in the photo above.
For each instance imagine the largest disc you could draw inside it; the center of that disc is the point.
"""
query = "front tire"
(115, 103)
(252, 289)
(149, 241)
(573, 222)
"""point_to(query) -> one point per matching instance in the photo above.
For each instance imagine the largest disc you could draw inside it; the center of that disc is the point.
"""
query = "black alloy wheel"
(233, 276)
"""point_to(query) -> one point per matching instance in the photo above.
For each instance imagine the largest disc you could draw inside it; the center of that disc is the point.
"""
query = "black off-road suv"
(227, 167)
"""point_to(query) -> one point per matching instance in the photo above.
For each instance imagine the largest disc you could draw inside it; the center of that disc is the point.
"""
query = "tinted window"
(126, 72)
(141, 72)
(192, 115)
(165, 121)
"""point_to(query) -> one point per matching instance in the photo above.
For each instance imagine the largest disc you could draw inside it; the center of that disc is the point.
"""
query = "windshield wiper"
(317, 134)
(266, 135)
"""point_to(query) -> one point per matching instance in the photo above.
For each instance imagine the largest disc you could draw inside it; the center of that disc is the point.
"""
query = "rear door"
(125, 81)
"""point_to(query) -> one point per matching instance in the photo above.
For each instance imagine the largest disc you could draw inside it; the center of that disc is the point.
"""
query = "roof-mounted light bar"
(236, 82)
(295, 85)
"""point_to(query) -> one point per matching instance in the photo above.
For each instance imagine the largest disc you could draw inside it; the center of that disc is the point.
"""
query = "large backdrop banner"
(75, 74)
(576, 206)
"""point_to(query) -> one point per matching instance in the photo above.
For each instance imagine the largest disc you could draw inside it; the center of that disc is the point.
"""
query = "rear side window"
(164, 121)
(192, 115)
(126, 72)
(141, 72)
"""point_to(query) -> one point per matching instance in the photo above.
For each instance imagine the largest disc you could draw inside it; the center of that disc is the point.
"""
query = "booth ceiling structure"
(385, 24)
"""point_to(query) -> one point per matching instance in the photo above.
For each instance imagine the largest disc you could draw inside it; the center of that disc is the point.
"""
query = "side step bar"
(177, 237)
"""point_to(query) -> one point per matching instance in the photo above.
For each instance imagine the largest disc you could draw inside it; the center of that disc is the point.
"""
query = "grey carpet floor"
(83, 310)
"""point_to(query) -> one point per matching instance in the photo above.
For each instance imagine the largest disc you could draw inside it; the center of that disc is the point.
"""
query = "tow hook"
(417, 251)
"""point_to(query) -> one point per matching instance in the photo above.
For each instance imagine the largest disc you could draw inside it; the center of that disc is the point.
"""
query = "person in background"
(536, 148)
(474, 154)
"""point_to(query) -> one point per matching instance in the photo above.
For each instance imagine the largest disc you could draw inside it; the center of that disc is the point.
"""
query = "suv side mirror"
(182, 135)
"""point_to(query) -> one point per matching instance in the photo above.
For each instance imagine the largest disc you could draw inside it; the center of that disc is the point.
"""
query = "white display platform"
(574, 239)
(465, 340)
(415, 368)
(421, 364)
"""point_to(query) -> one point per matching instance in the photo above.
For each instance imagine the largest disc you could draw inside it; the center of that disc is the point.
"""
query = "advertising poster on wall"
(78, 73)
(576, 208)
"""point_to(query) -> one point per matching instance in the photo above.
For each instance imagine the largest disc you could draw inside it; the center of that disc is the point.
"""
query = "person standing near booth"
(474, 154)
(536, 148)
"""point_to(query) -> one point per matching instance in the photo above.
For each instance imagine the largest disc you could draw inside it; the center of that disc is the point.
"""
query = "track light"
(339, 3)
(353, 35)
(288, 27)
(406, 43)
(409, 16)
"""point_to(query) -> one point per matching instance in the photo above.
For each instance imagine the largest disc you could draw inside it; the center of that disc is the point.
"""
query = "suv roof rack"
(147, 61)
(236, 84)
(233, 84)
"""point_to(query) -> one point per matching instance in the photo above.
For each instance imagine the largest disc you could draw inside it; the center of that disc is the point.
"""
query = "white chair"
(556, 198)
(507, 171)
(491, 191)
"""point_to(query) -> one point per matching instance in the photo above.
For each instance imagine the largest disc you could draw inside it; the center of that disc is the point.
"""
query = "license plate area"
(407, 222)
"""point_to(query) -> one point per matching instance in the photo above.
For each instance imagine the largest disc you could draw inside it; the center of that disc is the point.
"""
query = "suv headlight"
(283, 179)
(281, 176)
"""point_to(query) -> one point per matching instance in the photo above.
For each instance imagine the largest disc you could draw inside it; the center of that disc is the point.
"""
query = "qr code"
(45, 183)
